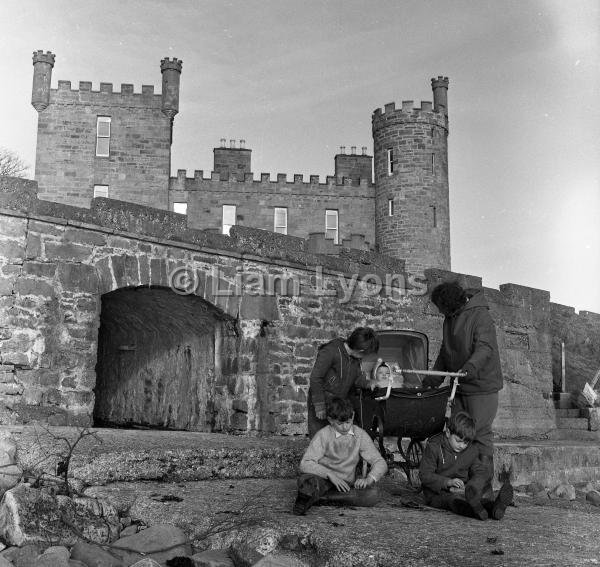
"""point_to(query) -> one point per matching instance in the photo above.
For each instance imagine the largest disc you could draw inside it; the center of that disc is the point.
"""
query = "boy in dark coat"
(453, 477)
(336, 372)
(469, 345)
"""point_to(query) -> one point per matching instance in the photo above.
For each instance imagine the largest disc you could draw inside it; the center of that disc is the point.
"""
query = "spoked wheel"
(413, 460)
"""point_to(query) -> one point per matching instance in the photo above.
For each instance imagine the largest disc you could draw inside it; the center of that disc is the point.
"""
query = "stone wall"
(580, 333)
(138, 167)
(256, 200)
(60, 265)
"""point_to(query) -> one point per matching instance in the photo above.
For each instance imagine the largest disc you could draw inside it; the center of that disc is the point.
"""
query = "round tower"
(42, 74)
(412, 218)
(171, 73)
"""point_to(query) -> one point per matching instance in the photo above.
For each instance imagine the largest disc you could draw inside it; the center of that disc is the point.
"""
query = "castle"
(118, 145)
(94, 327)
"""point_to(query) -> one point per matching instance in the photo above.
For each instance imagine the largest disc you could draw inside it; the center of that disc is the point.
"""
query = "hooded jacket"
(469, 343)
(334, 374)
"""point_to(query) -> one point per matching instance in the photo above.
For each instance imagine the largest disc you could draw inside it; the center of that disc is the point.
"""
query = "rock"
(126, 521)
(95, 556)
(593, 497)
(564, 491)
(29, 516)
(146, 562)
(56, 556)
(6, 563)
(280, 560)
(129, 530)
(23, 556)
(534, 488)
(244, 554)
(160, 542)
(75, 563)
(212, 558)
(10, 472)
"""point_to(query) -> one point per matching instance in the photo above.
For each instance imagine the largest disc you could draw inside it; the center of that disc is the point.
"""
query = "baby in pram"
(385, 373)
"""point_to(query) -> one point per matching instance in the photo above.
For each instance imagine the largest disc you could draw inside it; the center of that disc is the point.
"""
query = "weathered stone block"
(39, 269)
(13, 227)
(86, 237)
(160, 542)
(67, 252)
(7, 285)
(81, 278)
(30, 286)
(28, 515)
(12, 251)
(33, 248)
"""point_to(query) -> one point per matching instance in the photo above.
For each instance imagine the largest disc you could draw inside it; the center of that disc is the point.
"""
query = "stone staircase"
(574, 423)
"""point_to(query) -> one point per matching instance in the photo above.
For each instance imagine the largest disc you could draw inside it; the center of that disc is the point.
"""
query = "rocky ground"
(226, 502)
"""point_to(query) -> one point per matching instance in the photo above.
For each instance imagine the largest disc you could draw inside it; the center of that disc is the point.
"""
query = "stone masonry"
(66, 273)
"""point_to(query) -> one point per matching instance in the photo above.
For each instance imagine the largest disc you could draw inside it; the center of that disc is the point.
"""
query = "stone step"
(562, 400)
(176, 456)
(571, 412)
(572, 423)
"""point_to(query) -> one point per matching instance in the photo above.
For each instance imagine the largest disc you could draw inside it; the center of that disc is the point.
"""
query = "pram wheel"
(412, 461)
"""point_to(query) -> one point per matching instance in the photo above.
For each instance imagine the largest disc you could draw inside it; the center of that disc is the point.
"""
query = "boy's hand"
(364, 482)
(455, 483)
(338, 482)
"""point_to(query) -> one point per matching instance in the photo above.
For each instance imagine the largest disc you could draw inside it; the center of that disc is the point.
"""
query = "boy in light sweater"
(329, 463)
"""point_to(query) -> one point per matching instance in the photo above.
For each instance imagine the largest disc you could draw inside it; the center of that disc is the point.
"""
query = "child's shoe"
(504, 499)
(468, 509)
(302, 504)
(473, 498)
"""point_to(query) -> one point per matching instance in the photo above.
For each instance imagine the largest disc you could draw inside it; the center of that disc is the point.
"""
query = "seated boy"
(329, 463)
(453, 478)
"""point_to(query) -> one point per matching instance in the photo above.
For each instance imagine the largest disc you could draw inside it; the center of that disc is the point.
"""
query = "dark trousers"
(482, 408)
(457, 503)
(321, 489)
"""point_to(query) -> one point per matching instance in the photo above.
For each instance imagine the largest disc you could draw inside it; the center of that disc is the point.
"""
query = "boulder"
(593, 497)
(159, 542)
(22, 556)
(146, 562)
(53, 557)
(6, 563)
(10, 472)
(280, 560)
(212, 558)
(95, 556)
(28, 516)
(564, 491)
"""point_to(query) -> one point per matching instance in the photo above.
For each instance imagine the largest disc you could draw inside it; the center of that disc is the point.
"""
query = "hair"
(363, 339)
(384, 365)
(462, 425)
(340, 409)
(448, 297)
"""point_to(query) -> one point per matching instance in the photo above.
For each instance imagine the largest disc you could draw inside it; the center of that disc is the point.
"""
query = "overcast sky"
(298, 79)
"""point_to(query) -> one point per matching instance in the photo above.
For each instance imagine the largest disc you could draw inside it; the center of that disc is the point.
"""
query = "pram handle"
(427, 373)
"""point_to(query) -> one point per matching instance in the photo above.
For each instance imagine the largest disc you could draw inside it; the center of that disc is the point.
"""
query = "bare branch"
(11, 165)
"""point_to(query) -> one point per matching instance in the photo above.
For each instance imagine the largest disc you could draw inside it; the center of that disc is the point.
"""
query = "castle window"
(229, 213)
(390, 161)
(434, 214)
(180, 208)
(280, 220)
(103, 136)
(390, 207)
(432, 163)
(100, 191)
(331, 225)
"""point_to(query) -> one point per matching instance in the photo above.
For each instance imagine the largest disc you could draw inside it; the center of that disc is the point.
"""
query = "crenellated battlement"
(105, 94)
(197, 182)
(389, 114)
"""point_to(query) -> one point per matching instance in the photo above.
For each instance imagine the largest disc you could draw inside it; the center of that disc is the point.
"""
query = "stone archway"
(159, 360)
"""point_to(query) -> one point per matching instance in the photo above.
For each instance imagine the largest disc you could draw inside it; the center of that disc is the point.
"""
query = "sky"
(297, 80)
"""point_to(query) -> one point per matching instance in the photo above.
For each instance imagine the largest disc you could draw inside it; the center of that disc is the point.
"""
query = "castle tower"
(171, 73)
(42, 74)
(412, 218)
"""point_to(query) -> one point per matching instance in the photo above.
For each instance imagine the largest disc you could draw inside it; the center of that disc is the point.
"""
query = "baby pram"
(411, 413)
